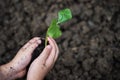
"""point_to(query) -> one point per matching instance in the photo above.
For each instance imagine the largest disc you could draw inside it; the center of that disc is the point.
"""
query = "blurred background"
(89, 46)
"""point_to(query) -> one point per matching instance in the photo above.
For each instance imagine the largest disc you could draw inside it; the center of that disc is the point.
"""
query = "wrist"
(3, 74)
(6, 73)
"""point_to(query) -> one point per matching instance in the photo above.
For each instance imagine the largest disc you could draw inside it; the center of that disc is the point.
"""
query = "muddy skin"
(8, 73)
(11, 70)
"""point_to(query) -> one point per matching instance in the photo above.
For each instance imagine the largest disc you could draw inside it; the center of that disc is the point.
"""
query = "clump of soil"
(89, 46)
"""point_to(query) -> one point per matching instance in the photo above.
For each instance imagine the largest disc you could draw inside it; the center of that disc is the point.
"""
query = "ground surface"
(89, 46)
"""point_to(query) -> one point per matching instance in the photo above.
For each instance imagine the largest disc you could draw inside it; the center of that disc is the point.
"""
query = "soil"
(89, 46)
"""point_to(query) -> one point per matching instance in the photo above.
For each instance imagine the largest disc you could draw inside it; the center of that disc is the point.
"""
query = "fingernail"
(49, 46)
(37, 38)
(39, 41)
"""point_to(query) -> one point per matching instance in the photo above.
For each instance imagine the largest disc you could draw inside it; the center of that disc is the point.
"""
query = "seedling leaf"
(54, 29)
(64, 15)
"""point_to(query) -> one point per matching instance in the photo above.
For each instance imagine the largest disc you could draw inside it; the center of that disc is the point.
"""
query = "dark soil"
(89, 46)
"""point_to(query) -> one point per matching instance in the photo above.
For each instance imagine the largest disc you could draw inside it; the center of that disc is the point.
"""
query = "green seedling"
(54, 28)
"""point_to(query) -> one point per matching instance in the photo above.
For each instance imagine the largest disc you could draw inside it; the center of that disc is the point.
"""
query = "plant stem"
(46, 40)
(58, 22)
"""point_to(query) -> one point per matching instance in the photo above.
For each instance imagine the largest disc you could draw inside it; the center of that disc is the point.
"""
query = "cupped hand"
(44, 62)
(17, 67)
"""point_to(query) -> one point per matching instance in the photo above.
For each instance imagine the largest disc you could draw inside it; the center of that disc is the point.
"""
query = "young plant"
(54, 28)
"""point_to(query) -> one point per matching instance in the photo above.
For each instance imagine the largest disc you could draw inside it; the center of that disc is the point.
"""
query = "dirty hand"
(45, 61)
(17, 67)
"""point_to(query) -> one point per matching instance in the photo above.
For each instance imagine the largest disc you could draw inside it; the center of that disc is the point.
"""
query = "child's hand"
(17, 67)
(42, 65)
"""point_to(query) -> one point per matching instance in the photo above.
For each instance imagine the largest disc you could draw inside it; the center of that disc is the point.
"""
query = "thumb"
(46, 52)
